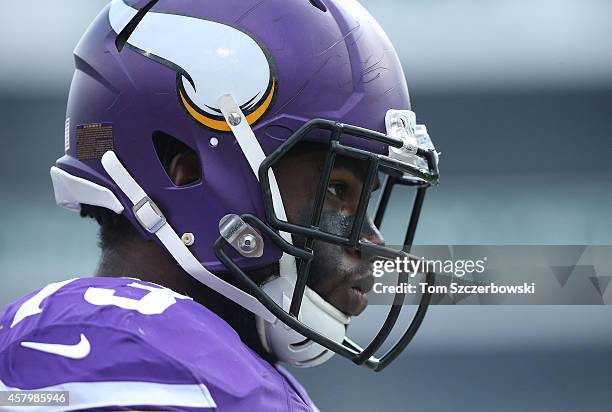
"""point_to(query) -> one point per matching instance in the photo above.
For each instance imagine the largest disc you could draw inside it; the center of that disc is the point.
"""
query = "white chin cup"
(287, 344)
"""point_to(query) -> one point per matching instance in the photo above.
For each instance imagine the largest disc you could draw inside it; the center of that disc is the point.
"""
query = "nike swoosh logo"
(78, 351)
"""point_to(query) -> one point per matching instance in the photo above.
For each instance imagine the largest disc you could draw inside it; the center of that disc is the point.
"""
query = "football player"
(228, 151)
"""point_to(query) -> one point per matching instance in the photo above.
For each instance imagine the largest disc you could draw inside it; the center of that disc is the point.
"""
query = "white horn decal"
(211, 59)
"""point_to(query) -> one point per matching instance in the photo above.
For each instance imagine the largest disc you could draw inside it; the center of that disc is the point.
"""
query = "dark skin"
(340, 275)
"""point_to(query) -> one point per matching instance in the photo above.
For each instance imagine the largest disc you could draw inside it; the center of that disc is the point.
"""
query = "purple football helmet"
(241, 82)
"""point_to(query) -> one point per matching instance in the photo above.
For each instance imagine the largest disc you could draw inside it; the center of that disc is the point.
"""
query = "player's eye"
(338, 189)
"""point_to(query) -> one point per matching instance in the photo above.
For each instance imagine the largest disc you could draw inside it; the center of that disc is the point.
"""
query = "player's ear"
(184, 168)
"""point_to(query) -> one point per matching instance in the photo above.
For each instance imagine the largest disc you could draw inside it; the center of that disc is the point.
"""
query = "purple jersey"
(124, 344)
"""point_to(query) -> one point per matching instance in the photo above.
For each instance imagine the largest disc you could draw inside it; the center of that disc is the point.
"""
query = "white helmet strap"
(151, 218)
(255, 155)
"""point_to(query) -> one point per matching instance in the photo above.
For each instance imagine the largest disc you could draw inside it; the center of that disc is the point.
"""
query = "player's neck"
(140, 259)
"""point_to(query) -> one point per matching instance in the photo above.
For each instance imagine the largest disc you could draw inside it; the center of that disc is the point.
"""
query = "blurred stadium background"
(516, 94)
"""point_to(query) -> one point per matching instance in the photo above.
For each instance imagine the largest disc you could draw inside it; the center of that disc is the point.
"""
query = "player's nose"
(370, 233)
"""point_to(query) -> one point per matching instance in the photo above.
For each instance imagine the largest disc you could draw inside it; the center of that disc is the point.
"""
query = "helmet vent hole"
(319, 5)
(180, 162)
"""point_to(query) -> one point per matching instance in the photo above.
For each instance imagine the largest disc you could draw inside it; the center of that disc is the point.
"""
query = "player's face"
(340, 275)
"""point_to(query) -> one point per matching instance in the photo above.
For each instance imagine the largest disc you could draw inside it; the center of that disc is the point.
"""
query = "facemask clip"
(401, 124)
(246, 240)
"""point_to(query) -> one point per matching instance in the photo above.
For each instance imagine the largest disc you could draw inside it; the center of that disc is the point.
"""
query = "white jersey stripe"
(86, 395)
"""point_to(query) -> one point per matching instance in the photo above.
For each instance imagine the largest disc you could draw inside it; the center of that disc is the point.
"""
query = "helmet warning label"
(93, 140)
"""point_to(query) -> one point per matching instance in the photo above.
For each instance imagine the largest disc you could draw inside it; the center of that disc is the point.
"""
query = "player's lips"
(358, 298)
(347, 288)
(351, 296)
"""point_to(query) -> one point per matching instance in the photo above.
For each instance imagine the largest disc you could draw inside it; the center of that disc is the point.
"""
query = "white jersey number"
(32, 305)
(153, 303)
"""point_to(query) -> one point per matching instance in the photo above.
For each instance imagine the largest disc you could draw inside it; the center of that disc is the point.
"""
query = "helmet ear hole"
(179, 161)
